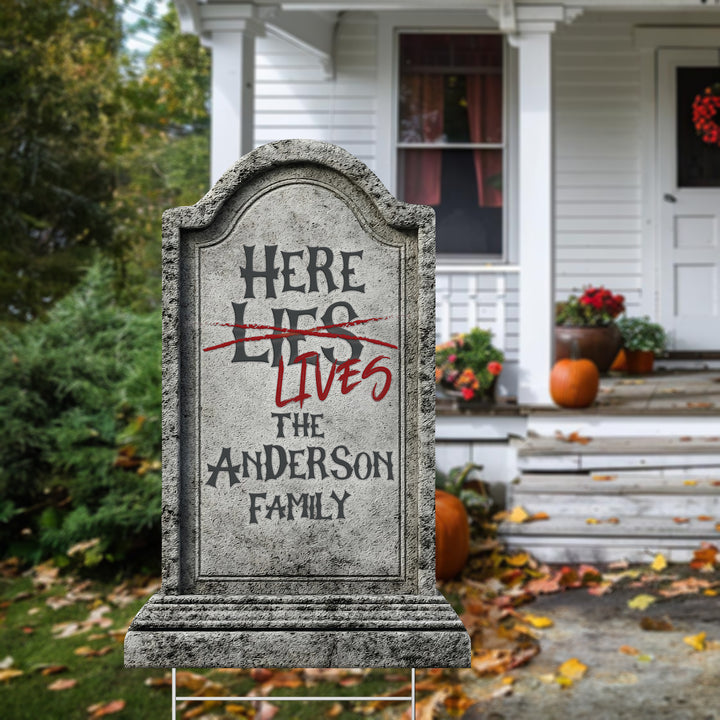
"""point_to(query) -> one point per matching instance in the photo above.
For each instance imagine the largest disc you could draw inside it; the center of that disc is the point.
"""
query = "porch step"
(632, 515)
(550, 454)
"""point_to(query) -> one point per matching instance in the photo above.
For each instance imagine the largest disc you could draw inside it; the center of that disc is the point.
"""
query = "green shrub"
(80, 418)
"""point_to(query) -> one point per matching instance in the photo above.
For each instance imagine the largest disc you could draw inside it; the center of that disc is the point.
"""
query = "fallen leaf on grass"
(641, 602)
(335, 710)
(656, 625)
(87, 651)
(697, 642)
(9, 674)
(242, 711)
(63, 684)
(102, 709)
(659, 563)
(53, 669)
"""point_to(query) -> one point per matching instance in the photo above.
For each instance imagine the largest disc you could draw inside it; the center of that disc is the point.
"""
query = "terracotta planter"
(640, 362)
(599, 344)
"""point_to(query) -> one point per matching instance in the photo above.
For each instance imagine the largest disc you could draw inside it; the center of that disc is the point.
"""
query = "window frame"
(388, 118)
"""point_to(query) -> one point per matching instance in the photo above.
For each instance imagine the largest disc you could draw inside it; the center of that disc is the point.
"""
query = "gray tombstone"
(298, 425)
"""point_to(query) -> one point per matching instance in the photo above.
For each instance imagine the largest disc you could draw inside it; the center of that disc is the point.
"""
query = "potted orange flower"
(468, 366)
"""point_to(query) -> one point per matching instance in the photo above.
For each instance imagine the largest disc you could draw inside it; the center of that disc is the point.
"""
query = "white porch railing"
(468, 285)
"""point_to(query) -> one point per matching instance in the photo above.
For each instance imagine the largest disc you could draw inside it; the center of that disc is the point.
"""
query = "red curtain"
(423, 98)
(484, 96)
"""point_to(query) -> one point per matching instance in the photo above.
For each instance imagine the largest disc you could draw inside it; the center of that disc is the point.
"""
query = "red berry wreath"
(706, 108)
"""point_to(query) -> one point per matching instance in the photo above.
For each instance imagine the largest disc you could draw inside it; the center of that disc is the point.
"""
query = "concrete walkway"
(666, 680)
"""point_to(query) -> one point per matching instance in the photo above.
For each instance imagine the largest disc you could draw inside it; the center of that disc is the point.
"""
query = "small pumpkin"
(452, 535)
(620, 362)
(574, 383)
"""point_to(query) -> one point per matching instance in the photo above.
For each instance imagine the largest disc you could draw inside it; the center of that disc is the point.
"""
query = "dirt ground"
(657, 675)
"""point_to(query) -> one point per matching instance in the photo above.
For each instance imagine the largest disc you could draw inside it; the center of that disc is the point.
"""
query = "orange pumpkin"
(574, 383)
(452, 535)
(620, 361)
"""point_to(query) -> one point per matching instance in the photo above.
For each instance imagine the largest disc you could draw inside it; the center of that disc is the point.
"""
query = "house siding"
(296, 99)
(598, 162)
(598, 158)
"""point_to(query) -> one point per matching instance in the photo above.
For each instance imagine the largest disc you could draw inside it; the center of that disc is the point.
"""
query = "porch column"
(231, 31)
(535, 216)
(535, 26)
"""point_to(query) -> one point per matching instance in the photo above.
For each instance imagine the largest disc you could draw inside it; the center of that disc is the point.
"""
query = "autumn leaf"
(690, 482)
(628, 650)
(87, 651)
(518, 515)
(9, 674)
(690, 586)
(592, 521)
(641, 602)
(604, 478)
(518, 560)
(489, 662)
(53, 669)
(705, 518)
(99, 710)
(706, 555)
(572, 669)
(63, 684)
(681, 520)
(538, 621)
(697, 642)
(656, 625)
(538, 516)
(659, 563)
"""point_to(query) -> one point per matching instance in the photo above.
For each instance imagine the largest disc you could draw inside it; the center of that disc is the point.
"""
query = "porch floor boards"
(665, 392)
(682, 393)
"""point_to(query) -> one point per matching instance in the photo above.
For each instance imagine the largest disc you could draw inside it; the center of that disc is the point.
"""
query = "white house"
(555, 140)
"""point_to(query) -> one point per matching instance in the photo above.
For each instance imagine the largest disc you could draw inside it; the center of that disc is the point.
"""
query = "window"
(450, 136)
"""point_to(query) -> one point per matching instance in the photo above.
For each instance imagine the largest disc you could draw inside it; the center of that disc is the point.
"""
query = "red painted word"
(344, 373)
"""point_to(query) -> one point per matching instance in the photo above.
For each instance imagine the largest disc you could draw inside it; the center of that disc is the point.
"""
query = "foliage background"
(96, 142)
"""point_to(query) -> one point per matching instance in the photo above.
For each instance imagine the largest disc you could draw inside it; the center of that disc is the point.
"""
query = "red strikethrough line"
(280, 333)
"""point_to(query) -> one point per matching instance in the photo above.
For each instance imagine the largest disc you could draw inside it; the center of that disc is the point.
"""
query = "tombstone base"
(297, 631)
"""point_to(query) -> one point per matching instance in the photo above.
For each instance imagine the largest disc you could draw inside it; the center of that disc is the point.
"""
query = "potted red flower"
(589, 320)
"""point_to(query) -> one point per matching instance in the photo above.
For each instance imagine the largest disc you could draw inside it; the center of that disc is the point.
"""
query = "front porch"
(637, 473)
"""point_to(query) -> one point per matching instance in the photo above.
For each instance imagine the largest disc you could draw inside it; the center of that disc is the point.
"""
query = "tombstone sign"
(298, 422)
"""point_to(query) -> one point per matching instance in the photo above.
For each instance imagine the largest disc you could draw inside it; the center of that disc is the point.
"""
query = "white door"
(689, 201)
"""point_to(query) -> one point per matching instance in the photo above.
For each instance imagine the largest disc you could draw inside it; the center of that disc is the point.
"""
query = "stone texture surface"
(290, 478)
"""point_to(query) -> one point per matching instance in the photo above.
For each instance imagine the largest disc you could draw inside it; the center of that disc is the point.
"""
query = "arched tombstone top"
(298, 405)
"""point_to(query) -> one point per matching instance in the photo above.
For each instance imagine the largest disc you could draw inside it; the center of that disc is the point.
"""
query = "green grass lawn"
(27, 636)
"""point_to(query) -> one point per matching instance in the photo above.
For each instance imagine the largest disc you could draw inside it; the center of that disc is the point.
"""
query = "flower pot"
(483, 399)
(599, 344)
(640, 362)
